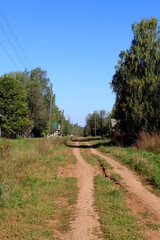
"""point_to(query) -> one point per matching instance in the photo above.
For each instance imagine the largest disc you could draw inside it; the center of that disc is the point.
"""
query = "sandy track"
(86, 221)
(135, 186)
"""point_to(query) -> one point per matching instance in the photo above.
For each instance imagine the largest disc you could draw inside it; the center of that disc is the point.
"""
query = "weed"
(145, 214)
(153, 226)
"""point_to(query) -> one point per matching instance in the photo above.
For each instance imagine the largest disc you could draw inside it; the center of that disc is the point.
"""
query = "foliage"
(13, 106)
(77, 130)
(38, 98)
(97, 124)
(25, 104)
(136, 81)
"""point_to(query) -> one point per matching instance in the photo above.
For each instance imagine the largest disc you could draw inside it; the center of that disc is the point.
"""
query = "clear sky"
(77, 42)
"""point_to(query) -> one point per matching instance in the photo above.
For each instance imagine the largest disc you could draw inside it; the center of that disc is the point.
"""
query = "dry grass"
(148, 141)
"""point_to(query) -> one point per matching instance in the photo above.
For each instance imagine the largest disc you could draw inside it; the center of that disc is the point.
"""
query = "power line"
(12, 44)
(8, 54)
(14, 36)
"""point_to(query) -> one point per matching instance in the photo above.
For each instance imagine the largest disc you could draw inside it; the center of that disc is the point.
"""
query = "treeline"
(98, 124)
(25, 105)
(136, 82)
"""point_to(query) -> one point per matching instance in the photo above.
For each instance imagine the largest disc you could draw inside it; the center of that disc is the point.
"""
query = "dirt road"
(86, 224)
(151, 202)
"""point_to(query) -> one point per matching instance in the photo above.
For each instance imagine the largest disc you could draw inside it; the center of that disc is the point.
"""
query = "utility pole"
(76, 130)
(50, 113)
(62, 121)
(95, 125)
(68, 125)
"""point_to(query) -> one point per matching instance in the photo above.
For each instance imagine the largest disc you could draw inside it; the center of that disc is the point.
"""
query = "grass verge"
(89, 158)
(116, 221)
(144, 162)
(35, 203)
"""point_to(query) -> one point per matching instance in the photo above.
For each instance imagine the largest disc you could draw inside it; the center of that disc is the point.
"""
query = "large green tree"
(38, 97)
(30, 93)
(136, 80)
(13, 106)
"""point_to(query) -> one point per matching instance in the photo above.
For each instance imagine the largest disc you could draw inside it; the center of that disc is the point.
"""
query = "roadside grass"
(153, 226)
(96, 160)
(89, 158)
(103, 163)
(35, 203)
(148, 141)
(144, 162)
(116, 220)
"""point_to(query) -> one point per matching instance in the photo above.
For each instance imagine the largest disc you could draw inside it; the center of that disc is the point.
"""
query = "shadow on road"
(93, 145)
(83, 139)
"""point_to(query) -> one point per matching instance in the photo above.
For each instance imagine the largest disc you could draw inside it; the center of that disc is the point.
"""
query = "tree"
(38, 98)
(97, 124)
(77, 130)
(136, 80)
(13, 106)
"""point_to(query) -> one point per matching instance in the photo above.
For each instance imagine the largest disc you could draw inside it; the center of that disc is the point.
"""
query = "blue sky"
(77, 42)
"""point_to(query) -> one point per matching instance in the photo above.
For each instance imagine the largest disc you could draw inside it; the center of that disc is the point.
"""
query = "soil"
(134, 185)
(142, 203)
(86, 225)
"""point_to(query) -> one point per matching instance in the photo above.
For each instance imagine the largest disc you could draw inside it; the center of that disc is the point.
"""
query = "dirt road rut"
(86, 224)
(134, 185)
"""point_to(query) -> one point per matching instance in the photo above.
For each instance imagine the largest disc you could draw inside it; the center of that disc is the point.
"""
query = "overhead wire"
(8, 54)
(13, 41)
(13, 34)
(12, 45)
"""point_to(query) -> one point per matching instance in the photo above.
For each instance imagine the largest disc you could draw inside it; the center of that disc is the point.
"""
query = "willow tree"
(136, 80)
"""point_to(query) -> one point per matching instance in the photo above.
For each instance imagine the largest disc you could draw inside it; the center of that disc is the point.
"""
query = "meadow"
(35, 203)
